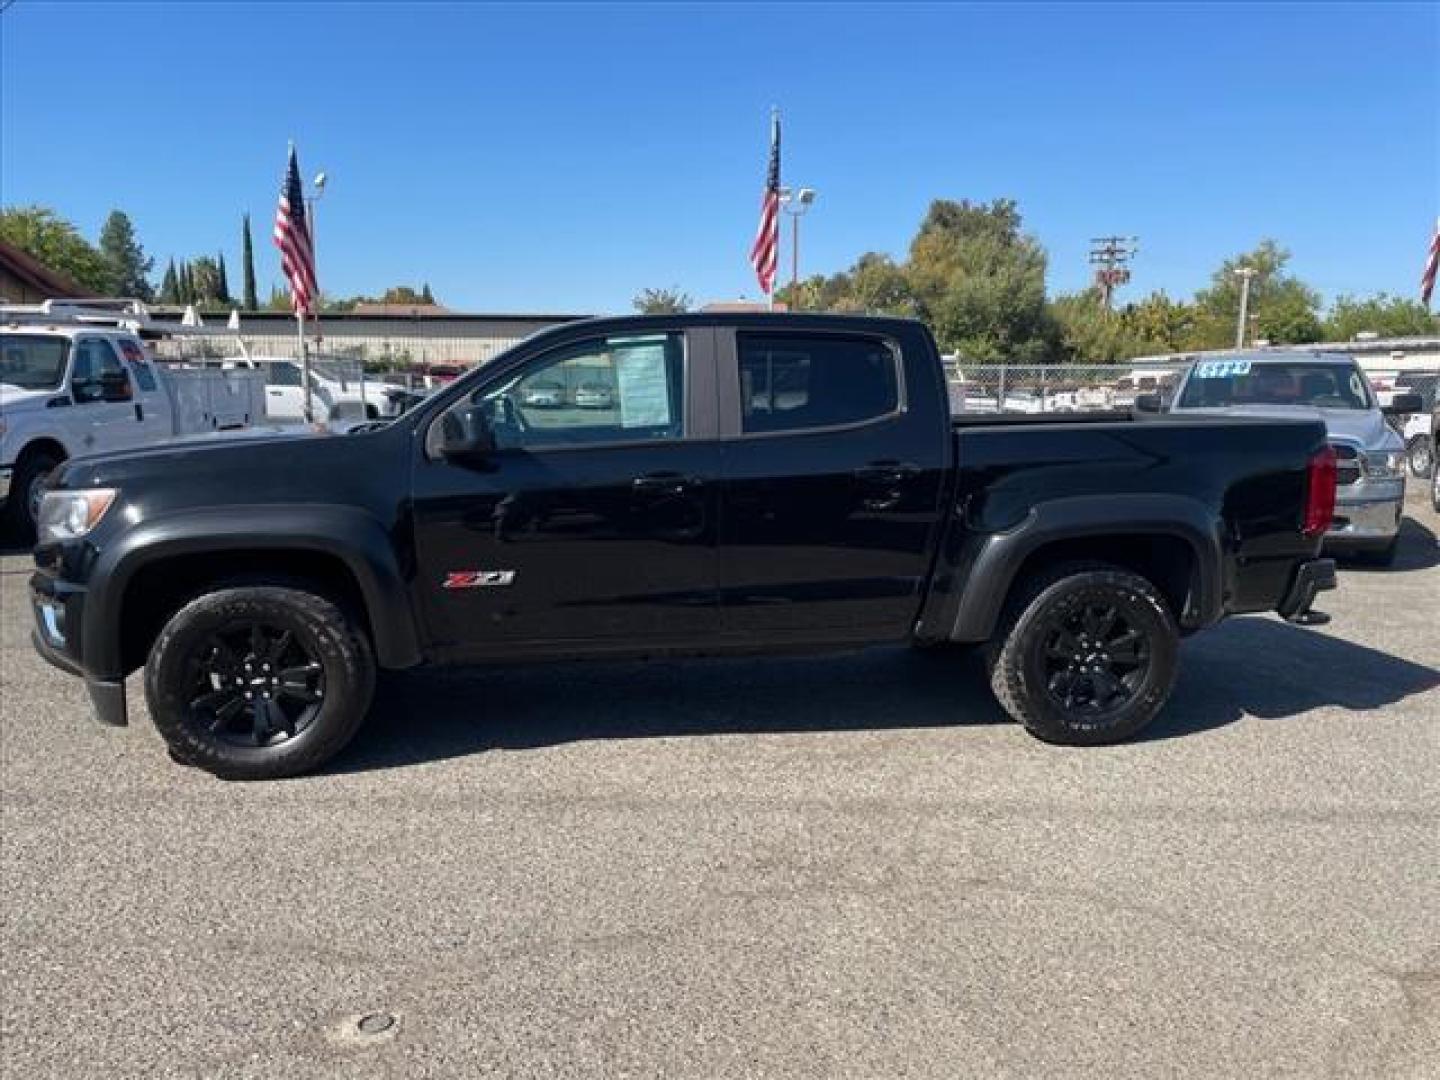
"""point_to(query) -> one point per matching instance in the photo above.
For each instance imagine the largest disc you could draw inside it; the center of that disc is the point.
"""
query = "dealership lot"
(816, 867)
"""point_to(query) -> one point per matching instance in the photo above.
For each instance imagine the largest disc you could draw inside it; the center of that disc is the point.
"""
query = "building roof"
(402, 311)
(35, 275)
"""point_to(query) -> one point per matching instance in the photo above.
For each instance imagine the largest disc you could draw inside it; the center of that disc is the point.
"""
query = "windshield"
(33, 362)
(1223, 383)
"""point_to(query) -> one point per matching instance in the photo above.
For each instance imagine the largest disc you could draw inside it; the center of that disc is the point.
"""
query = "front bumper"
(57, 609)
(1370, 520)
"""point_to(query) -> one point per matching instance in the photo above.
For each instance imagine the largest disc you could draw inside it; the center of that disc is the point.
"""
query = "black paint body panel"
(908, 525)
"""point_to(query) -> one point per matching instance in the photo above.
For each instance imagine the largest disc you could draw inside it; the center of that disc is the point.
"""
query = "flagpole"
(774, 126)
(304, 364)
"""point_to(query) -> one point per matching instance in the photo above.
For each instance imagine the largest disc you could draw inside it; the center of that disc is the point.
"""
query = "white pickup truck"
(71, 387)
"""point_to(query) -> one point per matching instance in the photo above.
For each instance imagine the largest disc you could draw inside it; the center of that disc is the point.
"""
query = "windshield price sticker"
(1221, 369)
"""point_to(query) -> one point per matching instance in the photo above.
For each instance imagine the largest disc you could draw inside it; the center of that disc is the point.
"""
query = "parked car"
(594, 396)
(70, 387)
(335, 391)
(543, 395)
(260, 586)
(1328, 387)
(1416, 429)
(1435, 464)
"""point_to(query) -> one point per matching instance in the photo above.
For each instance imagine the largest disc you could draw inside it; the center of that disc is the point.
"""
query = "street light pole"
(795, 201)
(310, 201)
(1245, 273)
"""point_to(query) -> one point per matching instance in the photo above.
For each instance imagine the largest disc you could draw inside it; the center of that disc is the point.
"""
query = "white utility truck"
(76, 380)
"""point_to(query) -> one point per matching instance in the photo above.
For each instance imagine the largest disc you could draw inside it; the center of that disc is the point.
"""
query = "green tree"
(1283, 309)
(279, 300)
(1091, 333)
(170, 285)
(426, 296)
(1160, 325)
(206, 284)
(44, 235)
(669, 301)
(1385, 315)
(401, 294)
(223, 282)
(980, 282)
(247, 256)
(125, 259)
(187, 283)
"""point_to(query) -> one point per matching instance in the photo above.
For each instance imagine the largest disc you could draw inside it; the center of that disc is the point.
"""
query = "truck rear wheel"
(259, 683)
(1087, 654)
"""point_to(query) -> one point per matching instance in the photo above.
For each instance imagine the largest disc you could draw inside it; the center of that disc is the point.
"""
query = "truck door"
(593, 520)
(835, 452)
(284, 391)
(153, 407)
(107, 416)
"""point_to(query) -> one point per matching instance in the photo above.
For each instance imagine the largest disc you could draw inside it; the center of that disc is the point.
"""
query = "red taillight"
(1320, 492)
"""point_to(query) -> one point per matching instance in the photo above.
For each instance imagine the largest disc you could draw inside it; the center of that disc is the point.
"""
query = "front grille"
(1347, 464)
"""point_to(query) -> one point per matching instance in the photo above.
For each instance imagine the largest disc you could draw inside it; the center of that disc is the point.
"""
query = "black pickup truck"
(662, 486)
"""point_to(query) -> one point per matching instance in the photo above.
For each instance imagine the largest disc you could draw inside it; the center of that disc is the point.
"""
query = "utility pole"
(1110, 256)
(1245, 273)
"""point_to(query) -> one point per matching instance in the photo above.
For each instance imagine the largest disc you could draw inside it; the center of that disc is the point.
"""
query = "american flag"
(765, 252)
(1432, 262)
(292, 237)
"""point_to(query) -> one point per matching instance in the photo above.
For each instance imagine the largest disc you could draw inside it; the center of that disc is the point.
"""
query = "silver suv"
(1371, 455)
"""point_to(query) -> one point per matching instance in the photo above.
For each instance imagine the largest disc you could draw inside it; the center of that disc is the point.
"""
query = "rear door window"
(795, 382)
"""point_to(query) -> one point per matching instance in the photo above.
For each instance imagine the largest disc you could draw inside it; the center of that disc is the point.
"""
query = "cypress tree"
(222, 286)
(252, 301)
(170, 286)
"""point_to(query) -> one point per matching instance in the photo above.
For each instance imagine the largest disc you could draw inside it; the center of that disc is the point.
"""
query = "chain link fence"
(1055, 388)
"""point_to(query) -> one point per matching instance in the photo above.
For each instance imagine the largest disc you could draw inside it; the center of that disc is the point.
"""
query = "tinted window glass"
(1225, 383)
(32, 362)
(605, 390)
(98, 370)
(139, 365)
(789, 382)
(284, 375)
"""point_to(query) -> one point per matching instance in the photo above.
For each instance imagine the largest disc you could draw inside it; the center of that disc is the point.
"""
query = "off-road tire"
(1015, 657)
(319, 625)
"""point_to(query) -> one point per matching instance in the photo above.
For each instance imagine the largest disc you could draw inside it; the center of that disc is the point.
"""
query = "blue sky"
(562, 158)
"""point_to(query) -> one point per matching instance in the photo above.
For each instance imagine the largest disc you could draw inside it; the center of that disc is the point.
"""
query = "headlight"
(65, 515)
(1385, 464)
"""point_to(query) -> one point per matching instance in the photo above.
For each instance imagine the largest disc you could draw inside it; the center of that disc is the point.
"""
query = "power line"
(1110, 256)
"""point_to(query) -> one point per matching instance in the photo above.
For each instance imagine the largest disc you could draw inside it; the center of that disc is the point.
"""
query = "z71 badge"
(477, 579)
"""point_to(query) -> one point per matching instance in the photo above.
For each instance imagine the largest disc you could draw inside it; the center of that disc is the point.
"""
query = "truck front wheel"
(259, 683)
(27, 487)
(1087, 654)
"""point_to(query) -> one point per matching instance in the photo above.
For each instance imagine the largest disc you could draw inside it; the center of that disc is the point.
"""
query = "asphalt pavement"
(846, 866)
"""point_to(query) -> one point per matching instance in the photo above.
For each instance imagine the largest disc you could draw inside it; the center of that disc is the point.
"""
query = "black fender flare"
(347, 533)
(1000, 555)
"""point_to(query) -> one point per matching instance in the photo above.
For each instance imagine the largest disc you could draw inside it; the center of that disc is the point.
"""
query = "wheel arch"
(1172, 541)
(160, 565)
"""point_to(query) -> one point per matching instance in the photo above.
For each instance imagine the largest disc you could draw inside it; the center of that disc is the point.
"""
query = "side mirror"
(466, 435)
(1404, 405)
(1151, 403)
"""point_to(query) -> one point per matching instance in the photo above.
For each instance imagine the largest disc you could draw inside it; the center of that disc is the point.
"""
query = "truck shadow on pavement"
(1260, 667)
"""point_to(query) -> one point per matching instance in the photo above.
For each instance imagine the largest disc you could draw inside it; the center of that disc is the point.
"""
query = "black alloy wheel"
(1085, 654)
(256, 685)
(259, 682)
(1095, 660)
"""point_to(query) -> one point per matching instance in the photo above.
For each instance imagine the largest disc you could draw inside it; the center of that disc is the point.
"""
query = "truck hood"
(16, 399)
(1365, 427)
